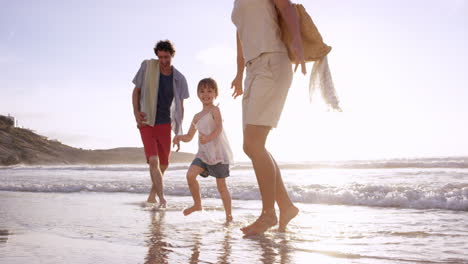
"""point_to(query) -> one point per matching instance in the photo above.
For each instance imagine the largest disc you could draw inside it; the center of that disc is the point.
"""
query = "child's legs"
(225, 195)
(192, 174)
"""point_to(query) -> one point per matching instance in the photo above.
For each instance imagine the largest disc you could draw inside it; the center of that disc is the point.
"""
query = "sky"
(399, 68)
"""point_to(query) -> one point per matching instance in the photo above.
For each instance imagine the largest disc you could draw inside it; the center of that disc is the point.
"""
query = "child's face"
(206, 94)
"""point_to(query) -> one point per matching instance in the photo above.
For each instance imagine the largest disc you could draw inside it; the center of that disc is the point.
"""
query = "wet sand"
(88, 227)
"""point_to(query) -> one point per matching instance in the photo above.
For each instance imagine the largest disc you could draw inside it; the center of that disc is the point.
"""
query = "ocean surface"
(384, 211)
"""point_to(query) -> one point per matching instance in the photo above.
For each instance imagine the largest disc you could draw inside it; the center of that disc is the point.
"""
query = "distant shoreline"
(23, 146)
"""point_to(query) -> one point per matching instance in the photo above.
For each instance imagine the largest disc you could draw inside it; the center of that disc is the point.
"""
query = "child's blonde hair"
(209, 83)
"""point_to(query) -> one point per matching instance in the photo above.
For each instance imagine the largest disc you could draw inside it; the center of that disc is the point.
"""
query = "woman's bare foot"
(286, 216)
(192, 209)
(248, 226)
(151, 200)
(262, 224)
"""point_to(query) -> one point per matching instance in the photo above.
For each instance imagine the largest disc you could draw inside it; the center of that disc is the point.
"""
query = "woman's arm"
(237, 82)
(289, 15)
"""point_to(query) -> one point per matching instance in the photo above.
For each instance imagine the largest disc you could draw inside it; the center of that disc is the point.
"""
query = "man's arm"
(182, 104)
(139, 116)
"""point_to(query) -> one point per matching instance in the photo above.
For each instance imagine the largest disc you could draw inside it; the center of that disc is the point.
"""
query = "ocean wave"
(111, 168)
(426, 163)
(448, 197)
(451, 162)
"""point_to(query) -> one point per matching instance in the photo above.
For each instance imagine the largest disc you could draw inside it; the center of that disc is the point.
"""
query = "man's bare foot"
(162, 204)
(262, 224)
(192, 209)
(286, 216)
(151, 200)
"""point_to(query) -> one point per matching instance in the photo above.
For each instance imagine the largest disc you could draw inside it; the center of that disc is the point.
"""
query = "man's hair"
(164, 45)
(209, 83)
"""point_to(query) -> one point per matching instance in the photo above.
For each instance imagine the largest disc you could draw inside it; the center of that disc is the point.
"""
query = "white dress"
(217, 150)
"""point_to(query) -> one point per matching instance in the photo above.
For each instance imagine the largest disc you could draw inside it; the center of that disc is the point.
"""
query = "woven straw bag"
(312, 42)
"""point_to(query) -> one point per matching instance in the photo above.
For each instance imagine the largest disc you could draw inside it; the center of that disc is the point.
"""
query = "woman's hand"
(289, 15)
(296, 46)
(237, 85)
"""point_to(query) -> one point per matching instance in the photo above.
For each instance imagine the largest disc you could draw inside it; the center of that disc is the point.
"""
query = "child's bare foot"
(286, 216)
(192, 209)
(262, 224)
(228, 218)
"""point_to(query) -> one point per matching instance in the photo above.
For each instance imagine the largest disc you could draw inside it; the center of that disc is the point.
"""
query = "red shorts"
(157, 142)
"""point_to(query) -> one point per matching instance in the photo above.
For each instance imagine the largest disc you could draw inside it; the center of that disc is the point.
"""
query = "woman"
(268, 78)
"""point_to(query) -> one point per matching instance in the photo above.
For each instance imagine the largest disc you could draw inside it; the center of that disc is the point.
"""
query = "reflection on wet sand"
(272, 250)
(285, 251)
(158, 249)
(209, 244)
(226, 246)
(195, 257)
(224, 252)
(4, 235)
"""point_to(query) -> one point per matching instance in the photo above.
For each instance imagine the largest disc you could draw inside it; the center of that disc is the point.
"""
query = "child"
(214, 153)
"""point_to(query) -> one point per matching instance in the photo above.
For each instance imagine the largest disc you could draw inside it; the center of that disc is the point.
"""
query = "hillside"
(23, 146)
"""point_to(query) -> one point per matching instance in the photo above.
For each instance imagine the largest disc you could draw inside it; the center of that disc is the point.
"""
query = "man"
(158, 105)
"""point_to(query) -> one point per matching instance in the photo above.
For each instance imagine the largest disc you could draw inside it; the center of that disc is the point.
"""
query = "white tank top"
(217, 150)
(257, 25)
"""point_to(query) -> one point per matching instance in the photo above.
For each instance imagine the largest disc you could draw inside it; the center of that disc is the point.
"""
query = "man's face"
(164, 58)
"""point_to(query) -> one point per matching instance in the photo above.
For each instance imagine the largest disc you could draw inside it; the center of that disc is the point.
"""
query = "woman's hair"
(165, 45)
(210, 83)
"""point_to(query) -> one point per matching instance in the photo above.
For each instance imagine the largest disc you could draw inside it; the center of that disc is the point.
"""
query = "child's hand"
(203, 138)
(176, 142)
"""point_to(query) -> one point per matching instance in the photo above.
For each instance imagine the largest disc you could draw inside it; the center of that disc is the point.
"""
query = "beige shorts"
(266, 87)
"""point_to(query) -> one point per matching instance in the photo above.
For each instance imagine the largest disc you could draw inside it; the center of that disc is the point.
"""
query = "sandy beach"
(97, 214)
(120, 228)
(369, 135)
